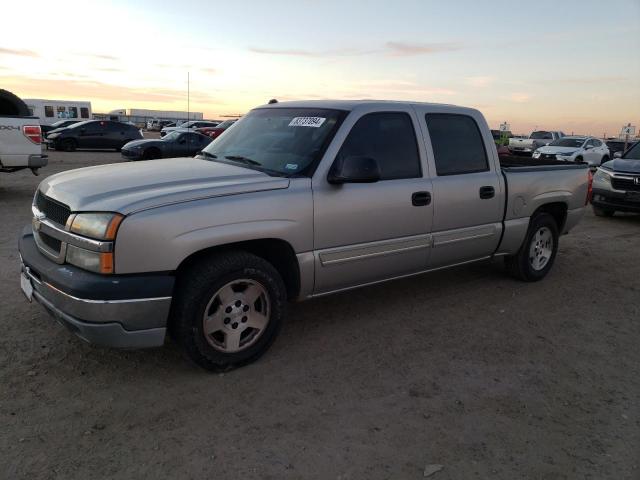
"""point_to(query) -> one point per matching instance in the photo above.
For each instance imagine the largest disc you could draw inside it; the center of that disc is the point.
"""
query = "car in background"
(174, 144)
(94, 134)
(575, 148)
(616, 145)
(46, 129)
(536, 140)
(192, 125)
(20, 136)
(616, 184)
(156, 125)
(214, 132)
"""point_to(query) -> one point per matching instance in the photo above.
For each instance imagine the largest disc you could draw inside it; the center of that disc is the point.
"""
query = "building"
(50, 111)
(140, 116)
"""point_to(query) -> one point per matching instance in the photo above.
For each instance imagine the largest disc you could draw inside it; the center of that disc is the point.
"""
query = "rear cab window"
(457, 144)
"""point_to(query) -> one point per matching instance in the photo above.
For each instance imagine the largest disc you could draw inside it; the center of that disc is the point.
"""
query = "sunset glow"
(571, 66)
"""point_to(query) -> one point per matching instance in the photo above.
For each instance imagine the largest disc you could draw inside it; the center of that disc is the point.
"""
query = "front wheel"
(603, 212)
(538, 251)
(228, 309)
(69, 145)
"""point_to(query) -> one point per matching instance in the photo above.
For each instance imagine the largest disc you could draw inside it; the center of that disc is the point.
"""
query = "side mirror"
(354, 169)
(588, 147)
(617, 155)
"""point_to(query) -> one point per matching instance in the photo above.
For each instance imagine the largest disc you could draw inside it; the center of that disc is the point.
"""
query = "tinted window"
(541, 136)
(597, 143)
(73, 112)
(48, 111)
(84, 112)
(390, 139)
(457, 144)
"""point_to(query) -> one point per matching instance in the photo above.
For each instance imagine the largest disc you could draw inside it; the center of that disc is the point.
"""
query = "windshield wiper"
(239, 158)
(207, 154)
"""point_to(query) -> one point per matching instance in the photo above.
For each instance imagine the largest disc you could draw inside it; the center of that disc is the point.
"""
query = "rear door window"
(457, 144)
(390, 139)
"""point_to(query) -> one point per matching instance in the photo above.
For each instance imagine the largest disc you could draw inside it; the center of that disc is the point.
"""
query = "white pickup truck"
(20, 136)
(537, 139)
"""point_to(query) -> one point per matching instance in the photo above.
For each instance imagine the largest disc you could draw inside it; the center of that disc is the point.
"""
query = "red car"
(214, 132)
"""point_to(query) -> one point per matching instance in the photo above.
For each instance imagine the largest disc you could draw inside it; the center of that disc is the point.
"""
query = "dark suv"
(94, 134)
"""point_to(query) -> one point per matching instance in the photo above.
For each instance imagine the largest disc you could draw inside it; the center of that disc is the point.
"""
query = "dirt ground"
(467, 368)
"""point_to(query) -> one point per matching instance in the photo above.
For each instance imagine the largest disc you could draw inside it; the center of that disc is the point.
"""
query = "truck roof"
(351, 104)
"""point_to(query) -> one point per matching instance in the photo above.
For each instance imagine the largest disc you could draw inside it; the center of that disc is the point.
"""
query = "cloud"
(99, 56)
(209, 70)
(399, 49)
(20, 53)
(479, 81)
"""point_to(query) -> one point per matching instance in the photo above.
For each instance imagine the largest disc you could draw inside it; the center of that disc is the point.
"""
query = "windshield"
(172, 136)
(541, 136)
(284, 141)
(568, 142)
(633, 153)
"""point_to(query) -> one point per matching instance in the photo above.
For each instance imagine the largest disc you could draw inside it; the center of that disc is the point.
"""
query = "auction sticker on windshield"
(314, 122)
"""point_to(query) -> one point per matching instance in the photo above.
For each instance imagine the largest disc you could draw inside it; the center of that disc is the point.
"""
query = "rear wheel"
(538, 251)
(69, 145)
(603, 212)
(228, 309)
(151, 154)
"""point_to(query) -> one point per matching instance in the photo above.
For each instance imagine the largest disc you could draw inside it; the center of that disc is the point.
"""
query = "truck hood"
(130, 187)
(623, 166)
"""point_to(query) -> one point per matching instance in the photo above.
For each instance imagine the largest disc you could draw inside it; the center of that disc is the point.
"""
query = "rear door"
(92, 135)
(468, 193)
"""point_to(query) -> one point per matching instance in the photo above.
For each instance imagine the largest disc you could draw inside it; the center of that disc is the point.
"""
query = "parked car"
(46, 129)
(93, 134)
(536, 140)
(193, 124)
(175, 144)
(20, 136)
(616, 184)
(575, 149)
(156, 125)
(214, 132)
(616, 145)
(297, 200)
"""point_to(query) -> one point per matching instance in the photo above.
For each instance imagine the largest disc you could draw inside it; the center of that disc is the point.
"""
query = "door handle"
(420, 199)
(487, 192)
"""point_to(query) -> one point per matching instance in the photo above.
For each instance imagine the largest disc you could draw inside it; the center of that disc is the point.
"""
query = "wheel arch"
(558, 210)
(277, 252)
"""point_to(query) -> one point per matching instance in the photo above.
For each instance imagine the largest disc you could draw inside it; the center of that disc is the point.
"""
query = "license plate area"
(25, 285)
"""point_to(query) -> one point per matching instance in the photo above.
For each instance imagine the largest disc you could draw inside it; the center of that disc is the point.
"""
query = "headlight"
(602, 176)
(536, 154)
(99, 262)
(53, 135)
(101, 226)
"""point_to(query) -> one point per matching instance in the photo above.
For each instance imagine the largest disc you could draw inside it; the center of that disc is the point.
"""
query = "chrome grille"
(628, 184)
(55, 211)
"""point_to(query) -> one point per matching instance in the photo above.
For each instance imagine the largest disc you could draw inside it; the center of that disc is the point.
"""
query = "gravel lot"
(467, 368)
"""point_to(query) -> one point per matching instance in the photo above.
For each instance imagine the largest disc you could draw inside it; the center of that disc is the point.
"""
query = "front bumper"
(130, 154)
(614, 200)
(121, 311)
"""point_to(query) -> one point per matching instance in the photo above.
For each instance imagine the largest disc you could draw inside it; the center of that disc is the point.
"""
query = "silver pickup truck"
(536, 140)
(297, 200)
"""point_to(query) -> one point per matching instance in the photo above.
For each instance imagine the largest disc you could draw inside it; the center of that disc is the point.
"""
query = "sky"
(555, 65)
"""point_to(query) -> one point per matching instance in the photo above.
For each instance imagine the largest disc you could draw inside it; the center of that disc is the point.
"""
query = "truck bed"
(516, 163)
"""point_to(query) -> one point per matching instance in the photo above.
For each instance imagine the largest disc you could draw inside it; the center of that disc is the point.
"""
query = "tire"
(238, 330)
(603, 212)
(151, 154)
(69, 145)
(538, 251)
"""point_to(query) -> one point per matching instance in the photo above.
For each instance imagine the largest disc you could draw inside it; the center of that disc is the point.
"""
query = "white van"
(50, 111)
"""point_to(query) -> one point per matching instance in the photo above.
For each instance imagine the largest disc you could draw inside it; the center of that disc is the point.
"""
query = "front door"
(367, 232)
